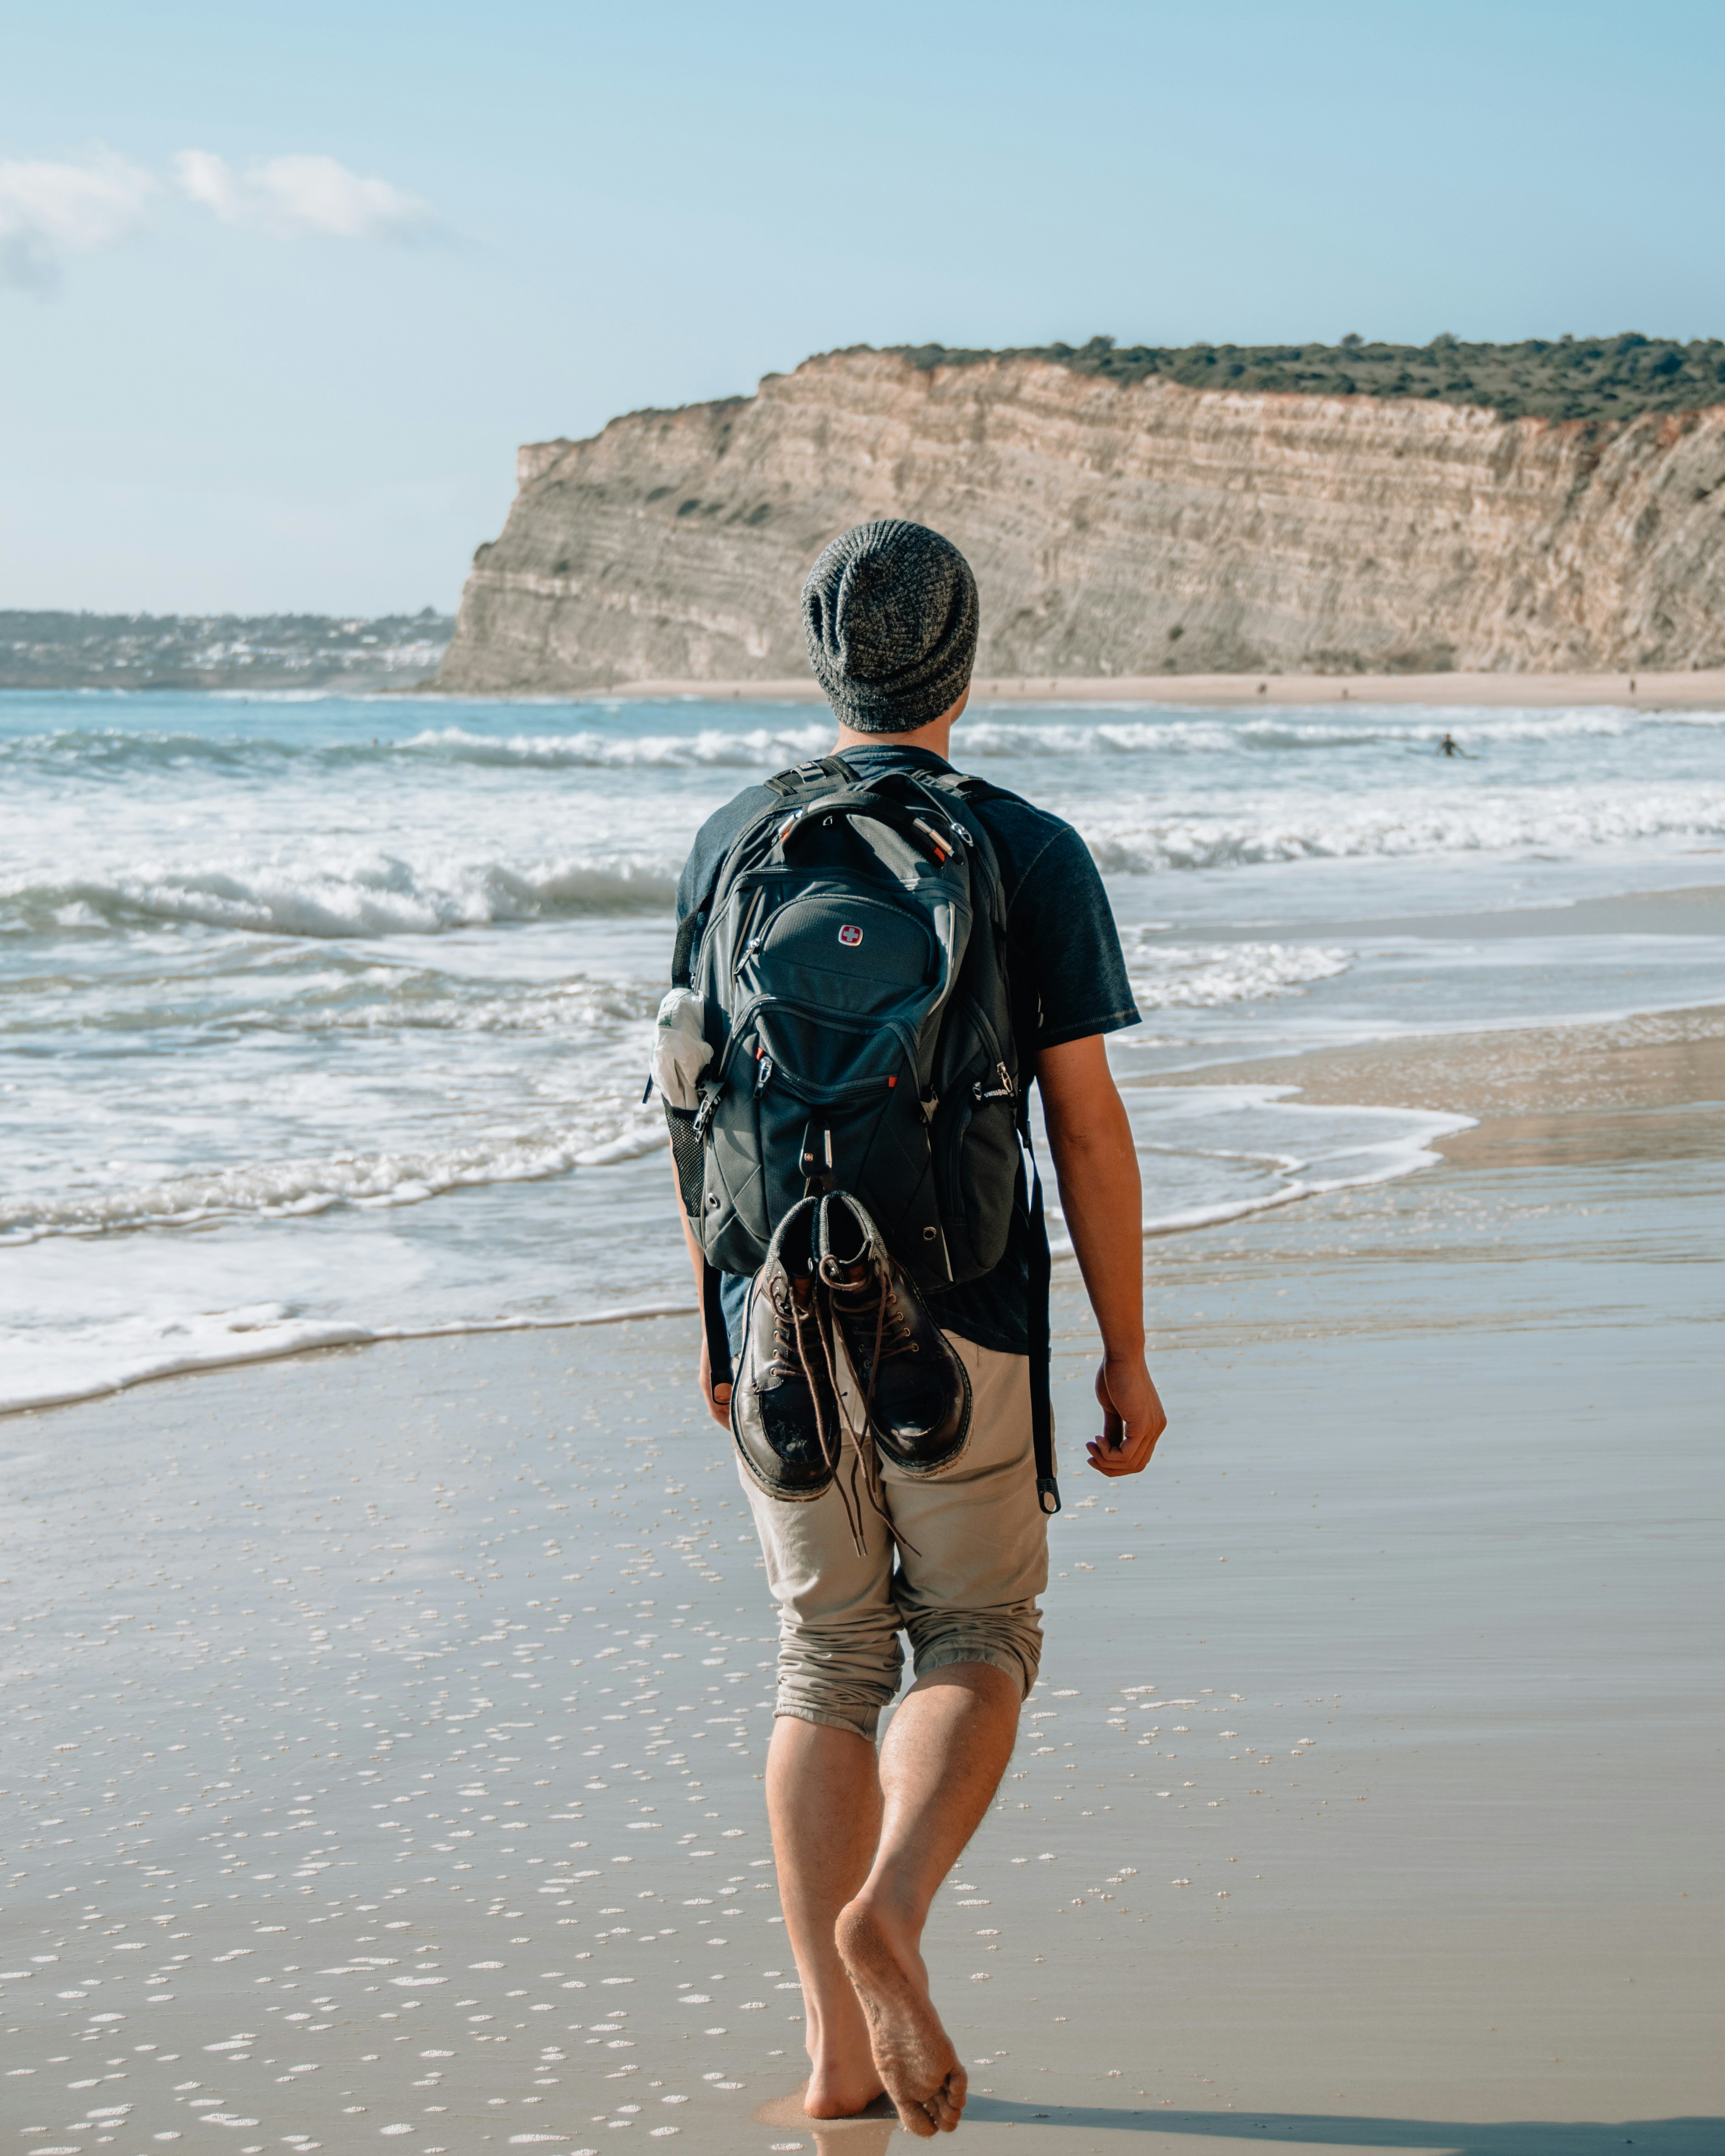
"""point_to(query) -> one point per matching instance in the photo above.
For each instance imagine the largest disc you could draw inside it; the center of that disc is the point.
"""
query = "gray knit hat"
(890, 611)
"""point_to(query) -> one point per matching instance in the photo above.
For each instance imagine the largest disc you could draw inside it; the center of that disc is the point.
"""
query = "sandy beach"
(1364, 1802)
(1692, 691)
(1646, 1087)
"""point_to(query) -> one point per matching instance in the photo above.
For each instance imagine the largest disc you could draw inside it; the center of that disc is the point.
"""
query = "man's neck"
(937, 735)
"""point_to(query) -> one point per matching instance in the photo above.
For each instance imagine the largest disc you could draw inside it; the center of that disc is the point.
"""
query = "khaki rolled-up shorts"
(958, 1568)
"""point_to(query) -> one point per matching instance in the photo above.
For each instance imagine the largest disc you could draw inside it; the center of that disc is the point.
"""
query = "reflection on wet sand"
(1684, 1133)
(868, 2134)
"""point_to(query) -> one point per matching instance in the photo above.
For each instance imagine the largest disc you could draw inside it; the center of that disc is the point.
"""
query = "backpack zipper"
(750, 942)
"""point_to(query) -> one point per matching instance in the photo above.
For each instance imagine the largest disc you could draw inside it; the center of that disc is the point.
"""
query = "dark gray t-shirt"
(1064, 959)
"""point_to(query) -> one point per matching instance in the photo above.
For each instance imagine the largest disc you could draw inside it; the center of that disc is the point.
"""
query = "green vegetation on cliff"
(1611, 378)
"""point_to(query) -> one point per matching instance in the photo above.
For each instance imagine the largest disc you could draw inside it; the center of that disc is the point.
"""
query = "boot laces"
(860, 1292)
(794, 1317)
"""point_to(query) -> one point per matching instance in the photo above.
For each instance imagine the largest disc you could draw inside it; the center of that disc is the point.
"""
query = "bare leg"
(824, 1800)
(945, 1752)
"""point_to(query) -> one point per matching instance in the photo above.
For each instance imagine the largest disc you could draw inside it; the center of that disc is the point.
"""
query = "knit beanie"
(890, 611)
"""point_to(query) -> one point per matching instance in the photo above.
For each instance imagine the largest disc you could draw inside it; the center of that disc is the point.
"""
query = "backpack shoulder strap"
(964, 789)
(968, 786)
(688, 929)
(824, 773)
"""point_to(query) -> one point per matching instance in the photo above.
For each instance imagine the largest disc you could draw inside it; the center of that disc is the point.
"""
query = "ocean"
(328, 1019)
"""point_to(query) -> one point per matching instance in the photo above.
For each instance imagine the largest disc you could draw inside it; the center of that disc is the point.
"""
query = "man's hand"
(1097, 1162)
(717, 1397)
(1132, 1417)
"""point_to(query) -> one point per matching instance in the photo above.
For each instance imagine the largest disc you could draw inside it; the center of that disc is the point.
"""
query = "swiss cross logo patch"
(849, 936)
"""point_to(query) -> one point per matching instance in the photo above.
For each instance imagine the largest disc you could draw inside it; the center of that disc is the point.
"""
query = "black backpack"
(849, 961)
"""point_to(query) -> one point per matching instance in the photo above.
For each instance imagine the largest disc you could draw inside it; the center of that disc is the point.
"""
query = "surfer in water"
(1448, 746)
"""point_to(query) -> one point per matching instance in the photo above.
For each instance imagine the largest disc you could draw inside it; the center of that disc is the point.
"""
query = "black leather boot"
(915, 1389)
(784, 1414)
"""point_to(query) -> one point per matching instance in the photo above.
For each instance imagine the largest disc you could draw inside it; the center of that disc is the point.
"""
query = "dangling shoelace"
(793, 1318)
(850, 1295)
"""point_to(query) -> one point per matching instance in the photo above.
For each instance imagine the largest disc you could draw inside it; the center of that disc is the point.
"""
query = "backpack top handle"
(917, 831)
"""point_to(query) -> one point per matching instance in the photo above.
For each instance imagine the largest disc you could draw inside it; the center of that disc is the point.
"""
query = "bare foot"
(842, 2078)
(913, 2052)
(840, 2088)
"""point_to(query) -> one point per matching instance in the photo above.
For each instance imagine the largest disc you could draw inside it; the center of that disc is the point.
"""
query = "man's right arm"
(1096, 1164)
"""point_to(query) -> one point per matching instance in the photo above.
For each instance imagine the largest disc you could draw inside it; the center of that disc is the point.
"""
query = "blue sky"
(280, 289)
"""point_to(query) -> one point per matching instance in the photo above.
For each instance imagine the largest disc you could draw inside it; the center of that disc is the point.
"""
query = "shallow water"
(324, 1018)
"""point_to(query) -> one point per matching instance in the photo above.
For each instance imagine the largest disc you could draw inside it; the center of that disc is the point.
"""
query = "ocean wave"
(756, 748)
(112, 753)
(999, 733)
(371, 1181)
(1335, 829)
(378, 895)
(321, 894)
(1411, 728)
(572, 1011)
(1202, 976)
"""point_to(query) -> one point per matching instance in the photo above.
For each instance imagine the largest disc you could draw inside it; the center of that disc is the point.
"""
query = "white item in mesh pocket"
(680, 1049)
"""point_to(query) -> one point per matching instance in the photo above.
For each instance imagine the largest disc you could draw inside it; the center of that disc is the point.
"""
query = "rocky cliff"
(1128, 528)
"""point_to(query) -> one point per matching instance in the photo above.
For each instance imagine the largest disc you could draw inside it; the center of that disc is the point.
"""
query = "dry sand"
(1367, 1801)
(1636, 691)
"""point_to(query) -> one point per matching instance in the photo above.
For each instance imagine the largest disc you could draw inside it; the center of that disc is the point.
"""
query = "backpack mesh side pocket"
(688, 1155)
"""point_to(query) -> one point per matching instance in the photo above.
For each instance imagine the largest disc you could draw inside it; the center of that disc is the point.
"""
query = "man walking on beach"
(956, 1555)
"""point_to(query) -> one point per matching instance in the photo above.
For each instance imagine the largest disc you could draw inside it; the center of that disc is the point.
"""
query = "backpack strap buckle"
(823, 773)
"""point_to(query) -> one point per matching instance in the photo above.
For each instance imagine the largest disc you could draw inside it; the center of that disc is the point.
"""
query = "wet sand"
(1366, 1801)
(1693, 690)
(1645, 1088)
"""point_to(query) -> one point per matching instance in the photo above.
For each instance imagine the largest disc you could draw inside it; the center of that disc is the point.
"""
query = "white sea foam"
(1338, 1149)
(571, 1011)
(752, 748)
(1201, 977)
(86, 1361)
(375, 895)
(1150, 731)
(108, 753)
(282, 1189)
(1336, 828)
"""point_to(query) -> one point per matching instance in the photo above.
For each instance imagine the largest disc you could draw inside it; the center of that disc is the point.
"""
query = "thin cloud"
(48, 212)
(51, 212)
(301, 197)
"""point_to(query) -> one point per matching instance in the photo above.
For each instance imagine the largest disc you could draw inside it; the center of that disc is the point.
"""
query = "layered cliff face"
(1125, 531)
